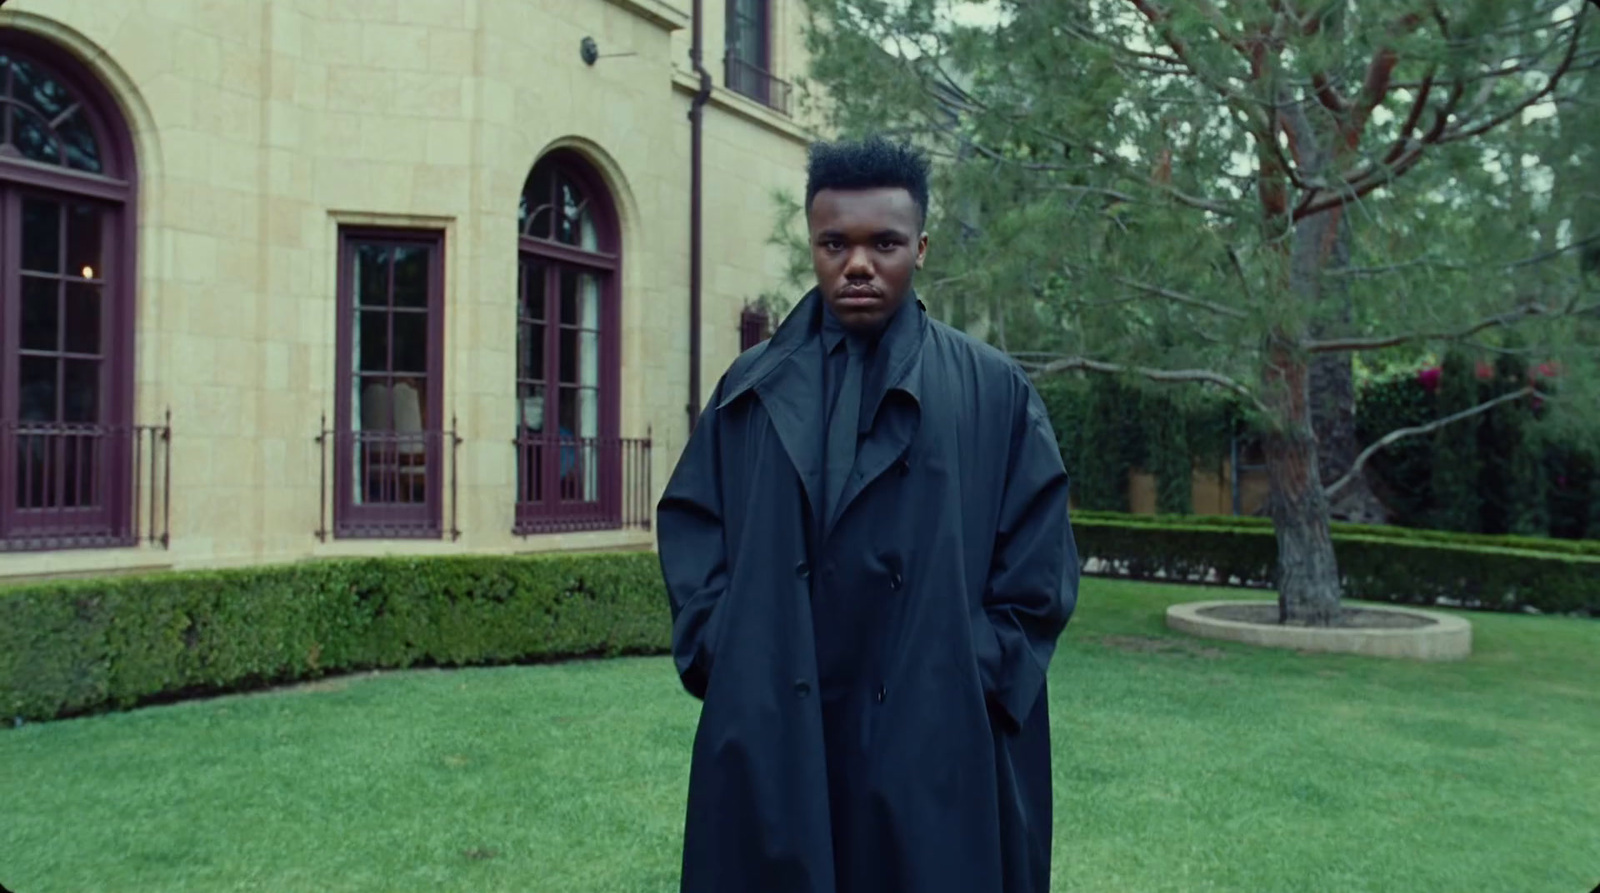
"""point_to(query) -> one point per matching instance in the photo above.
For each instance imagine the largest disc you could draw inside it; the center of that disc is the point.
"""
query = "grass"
(1180, 766)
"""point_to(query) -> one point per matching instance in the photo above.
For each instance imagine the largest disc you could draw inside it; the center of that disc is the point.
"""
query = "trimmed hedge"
(1400, 569)
(77, 647)
(1546, 545)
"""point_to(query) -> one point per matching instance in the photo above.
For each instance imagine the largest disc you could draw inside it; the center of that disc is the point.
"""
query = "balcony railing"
(758, 84)
(388, 484)
(84, 486)
(567, 484)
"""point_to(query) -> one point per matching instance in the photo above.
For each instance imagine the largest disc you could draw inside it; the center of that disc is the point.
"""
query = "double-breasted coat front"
(874, 701)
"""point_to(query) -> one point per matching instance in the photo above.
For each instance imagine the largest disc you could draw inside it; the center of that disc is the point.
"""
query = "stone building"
(291, 279)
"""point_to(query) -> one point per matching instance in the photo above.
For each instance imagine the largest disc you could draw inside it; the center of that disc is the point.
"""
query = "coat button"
(883, 692)
(802, 688)
(904, 466)
(802, 570)
(895, 582)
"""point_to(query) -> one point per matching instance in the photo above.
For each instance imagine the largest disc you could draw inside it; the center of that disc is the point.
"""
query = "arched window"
(67, 184)
(569, 456)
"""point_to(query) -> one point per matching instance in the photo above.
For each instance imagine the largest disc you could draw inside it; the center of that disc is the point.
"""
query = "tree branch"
(1180, 298)
(1548, 88)
(1338, 345)
(1164, 376)
(1402, 433)
(1430, 263)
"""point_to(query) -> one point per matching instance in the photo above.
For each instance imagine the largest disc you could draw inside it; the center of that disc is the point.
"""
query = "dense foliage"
(1242, 195)
(75, 647)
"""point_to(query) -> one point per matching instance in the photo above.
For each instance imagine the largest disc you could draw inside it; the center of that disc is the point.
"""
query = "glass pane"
(576, 226)
(41, 236)
(410, 342)
(41, 314)
(530, 406)
(83, 242)
(569, 297)
(588, 412)
(81, 391)
(37, 389)
(530, 352)
(580, 299)
(83, 151)
(532, 290)
(31, 135)
(568, 356)
(374, 405)
(83, 318)
(589, 359)
(372, 276)
(533, 213)
(411, 277)
(410, 406)
(567, 411)
(39, 90)
(373, 337)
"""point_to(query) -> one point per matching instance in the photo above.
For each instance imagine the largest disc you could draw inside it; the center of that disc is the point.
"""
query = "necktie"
(842, 427)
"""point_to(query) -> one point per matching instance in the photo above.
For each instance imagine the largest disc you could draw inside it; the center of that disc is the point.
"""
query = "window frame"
(551, 513)
(112, 433)
(424, 520)
(754, 78)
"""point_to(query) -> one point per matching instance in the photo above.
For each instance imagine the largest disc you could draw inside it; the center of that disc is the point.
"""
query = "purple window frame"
(540, 505)
(110, 435)
(750, 68)
(754, 325)
(394, 520)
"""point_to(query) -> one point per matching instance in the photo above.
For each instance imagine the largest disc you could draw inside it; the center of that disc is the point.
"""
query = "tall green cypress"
(1457, 467)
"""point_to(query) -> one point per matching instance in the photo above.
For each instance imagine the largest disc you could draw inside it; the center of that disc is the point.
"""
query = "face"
(865, 245)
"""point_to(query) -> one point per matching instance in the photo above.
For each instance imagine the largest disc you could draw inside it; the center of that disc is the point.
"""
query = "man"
(869, 562)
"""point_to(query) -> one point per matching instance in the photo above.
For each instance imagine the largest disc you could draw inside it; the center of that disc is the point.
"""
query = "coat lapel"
(891, 407)
(789, 382)
(788, 379)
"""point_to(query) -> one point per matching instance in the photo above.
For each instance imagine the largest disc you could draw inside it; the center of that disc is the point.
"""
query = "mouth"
(858, 295)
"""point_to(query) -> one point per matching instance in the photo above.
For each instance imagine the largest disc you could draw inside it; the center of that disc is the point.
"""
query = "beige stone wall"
(262, 125)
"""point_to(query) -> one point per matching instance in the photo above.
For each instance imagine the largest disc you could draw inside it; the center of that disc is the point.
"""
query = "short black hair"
(872, 163)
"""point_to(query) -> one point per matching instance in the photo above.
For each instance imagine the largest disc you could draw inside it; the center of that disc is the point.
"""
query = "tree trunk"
(1322, 245)
(1308, 573)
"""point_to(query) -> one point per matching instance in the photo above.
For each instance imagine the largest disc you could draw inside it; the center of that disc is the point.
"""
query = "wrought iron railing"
(84, 486)
(567, 484)
(388, 484)
(758, 84)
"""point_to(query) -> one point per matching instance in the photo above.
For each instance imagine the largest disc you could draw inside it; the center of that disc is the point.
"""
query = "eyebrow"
(880, 235)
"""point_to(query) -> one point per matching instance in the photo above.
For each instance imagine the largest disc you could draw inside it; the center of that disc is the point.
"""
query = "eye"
(888, 245)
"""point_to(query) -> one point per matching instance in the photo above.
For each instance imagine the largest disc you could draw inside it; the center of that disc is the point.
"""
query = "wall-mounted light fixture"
(587, 49)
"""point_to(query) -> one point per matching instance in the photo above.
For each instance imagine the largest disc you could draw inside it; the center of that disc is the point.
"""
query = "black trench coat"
(874, 715)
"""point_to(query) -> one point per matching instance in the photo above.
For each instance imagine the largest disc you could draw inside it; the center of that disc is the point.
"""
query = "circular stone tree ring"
(1367, 629)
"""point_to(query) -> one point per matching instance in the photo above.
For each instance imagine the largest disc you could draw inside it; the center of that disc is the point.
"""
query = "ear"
(922, 249)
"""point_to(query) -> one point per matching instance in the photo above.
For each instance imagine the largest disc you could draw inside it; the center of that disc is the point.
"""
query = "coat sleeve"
(1032, 586)
(693, 550)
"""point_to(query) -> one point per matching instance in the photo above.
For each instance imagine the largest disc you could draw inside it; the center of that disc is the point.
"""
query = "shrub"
(76, 647)
(1389, 568)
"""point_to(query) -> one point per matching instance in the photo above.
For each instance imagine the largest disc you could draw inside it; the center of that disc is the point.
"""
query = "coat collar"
(789, 381)
(803, 326)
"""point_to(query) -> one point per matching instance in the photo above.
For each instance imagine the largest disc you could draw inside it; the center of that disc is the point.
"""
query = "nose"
(858, 264)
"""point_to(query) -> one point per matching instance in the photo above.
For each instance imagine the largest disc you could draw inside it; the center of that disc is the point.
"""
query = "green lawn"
(1180, 767)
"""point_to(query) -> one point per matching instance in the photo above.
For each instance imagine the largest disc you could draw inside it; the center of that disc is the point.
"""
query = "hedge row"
(1406, 570)
(76, 647)
(1548, 545)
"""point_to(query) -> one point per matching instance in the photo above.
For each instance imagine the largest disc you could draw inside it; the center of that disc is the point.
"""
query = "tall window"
(67, 183)
(390, 436)
(568, 453)
(749, 54)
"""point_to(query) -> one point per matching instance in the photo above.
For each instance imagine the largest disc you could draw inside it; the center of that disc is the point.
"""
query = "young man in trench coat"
(869, 562)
